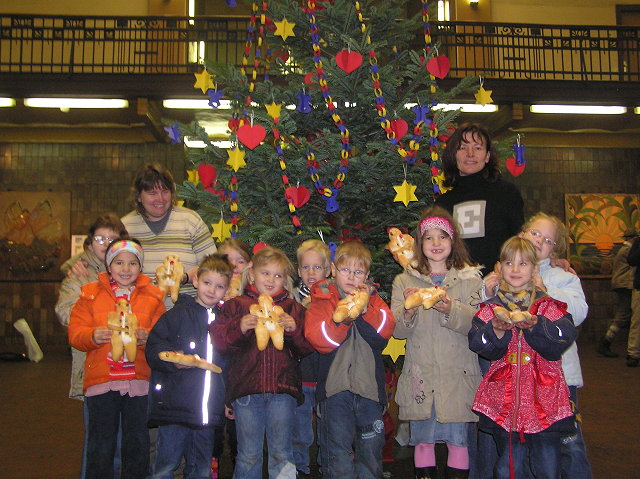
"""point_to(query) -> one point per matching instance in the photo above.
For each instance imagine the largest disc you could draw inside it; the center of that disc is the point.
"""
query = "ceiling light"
(68, 103)
(7, 102)
(183, 104)
(580, 109)
(467, 107)
(636, 110)
(191, 142)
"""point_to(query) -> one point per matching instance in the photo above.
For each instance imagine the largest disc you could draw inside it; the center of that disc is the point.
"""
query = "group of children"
(336, 367)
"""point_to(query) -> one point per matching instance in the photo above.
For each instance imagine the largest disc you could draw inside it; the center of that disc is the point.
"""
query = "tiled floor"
(41, 429)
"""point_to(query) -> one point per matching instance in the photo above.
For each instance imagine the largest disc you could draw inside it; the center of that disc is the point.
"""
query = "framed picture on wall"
(595, 224)
(34, 234)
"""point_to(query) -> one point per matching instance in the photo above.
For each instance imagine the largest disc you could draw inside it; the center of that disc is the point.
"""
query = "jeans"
(539, 454)
(303, 429)
(107, 412)
(176, 441)
(351, 438)
(573, 453)
(255, 415)
(483, 453)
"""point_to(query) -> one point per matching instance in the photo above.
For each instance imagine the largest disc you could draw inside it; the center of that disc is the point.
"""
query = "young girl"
(186, 403)
(440, 374)
(523, 400)
(116, 391)
(263, 386)
(239, 254)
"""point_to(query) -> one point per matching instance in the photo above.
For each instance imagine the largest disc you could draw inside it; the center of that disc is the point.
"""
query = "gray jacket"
(622, 276)
(439, 366)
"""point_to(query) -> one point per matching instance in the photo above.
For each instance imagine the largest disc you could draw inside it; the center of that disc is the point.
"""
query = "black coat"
(176, 395)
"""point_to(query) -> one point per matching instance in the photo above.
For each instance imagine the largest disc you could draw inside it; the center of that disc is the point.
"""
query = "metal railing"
(156, 45)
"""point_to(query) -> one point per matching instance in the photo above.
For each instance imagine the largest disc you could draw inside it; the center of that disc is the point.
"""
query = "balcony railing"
(157, 45)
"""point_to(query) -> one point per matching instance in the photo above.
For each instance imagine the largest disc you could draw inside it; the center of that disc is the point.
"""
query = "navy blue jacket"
(176, 396)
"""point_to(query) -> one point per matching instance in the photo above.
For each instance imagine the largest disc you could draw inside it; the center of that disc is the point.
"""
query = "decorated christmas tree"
(335, 126)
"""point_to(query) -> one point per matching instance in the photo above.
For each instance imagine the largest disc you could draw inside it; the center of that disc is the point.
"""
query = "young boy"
(523, 400)
(186, 402)
(314, 265)
(351, 387)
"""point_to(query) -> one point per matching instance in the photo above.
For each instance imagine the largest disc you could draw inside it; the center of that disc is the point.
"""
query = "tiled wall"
(99, 177)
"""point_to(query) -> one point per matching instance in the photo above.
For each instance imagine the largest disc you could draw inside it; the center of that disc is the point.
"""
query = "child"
(263, 386)
(523, 400)
(547, 234)
(239, 254)
(186, 402)
(314, 260)
(351, 388)
(440, 374)
(116, 391)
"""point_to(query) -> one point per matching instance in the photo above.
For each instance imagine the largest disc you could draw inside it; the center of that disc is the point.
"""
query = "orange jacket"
(90, 312)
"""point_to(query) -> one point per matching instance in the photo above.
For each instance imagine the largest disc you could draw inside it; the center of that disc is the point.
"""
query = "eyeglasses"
(316, 267)
(357, 273)
(548, 241)
(103, 239)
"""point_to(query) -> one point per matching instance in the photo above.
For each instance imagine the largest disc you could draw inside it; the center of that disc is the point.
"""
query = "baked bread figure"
(188, 360)
(427, 297)
(169, 275)
(268, 328)
(401, 247)
(352, 305)
(123, 323)
(235, 286)
(511, 316)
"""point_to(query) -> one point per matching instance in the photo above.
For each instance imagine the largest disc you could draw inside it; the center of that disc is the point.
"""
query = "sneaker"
(214, 468)
(604, 349)
(633, 362)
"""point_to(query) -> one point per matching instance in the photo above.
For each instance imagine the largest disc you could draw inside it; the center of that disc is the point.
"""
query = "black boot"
(604, 348)
(430, 472)
(453, 473)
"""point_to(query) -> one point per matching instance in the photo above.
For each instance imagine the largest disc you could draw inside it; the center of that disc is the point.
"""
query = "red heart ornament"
(251, 136)
(348, 61)
(515, 169)
(439, 66)
(299, 195)
(207, 174)
(258, 246)
(400, 128)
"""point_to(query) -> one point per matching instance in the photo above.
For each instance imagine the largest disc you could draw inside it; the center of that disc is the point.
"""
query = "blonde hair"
(271, 254)
(515, 245)
(216, 263)
(238, 245)
(561, 232)
(314, 245)
(353, 250)
(459, 257)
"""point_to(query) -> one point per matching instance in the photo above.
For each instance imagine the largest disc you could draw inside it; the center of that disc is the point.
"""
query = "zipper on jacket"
(517, 399)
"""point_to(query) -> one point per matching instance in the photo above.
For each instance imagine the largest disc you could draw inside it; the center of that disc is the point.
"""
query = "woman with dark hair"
(488, 209)
(163, 227)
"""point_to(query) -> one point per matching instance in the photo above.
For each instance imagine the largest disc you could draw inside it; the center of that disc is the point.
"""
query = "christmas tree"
(335, 127)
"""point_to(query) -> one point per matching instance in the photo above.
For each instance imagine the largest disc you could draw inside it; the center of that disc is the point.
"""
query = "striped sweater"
(185, 235)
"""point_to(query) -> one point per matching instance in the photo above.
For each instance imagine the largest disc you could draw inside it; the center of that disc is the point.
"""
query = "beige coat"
(438, 366)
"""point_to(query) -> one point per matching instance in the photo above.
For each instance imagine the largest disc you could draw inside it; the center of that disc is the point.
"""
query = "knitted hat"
(118, 246)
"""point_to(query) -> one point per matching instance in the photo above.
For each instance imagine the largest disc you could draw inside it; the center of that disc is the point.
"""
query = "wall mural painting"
(595, 224)
(34, 234)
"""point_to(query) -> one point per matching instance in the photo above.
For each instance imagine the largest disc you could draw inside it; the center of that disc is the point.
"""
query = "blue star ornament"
(214, 97)
(174, 133)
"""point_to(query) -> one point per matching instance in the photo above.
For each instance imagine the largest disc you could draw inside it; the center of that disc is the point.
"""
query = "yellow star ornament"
(483, 96)
(236, 159)
(405, 193)
(193, 177)
(284, 29)
(203, 81)
(273, 110)
(395, 347)
(221, 230)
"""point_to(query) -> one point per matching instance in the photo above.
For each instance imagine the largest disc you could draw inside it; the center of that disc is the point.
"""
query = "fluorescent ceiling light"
(636, 110)
(463, 107)
(580, 109)
(194, 104)
(68, 103)
(193, 143)
(7, 102)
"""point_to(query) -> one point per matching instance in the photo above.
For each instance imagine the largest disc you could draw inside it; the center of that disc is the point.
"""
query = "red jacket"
(251, 371)
(90, 312)
(524, 389)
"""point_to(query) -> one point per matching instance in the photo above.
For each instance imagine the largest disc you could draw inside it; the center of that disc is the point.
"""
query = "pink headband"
(124, 245)
(436, 222)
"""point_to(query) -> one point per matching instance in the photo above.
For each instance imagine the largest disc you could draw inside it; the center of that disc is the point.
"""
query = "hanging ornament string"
(409, 156)
(426, 29)
(330, 194)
